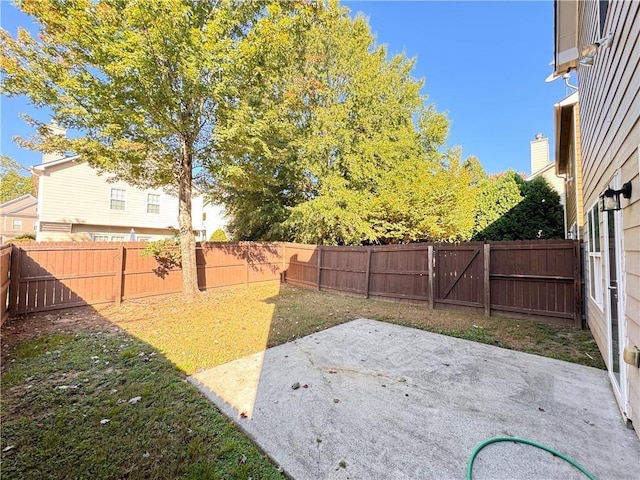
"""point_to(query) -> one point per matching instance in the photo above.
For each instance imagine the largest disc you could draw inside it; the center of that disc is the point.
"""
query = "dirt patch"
(72, 320)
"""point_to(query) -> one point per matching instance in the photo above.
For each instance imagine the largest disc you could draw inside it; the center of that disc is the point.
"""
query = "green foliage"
(335, 120)
(538, 214)
(496, 196)
(25, 237)
(218, 236)
(166, 252)
(476, 170)
(153, 87)
(12, 183)
(59, 389)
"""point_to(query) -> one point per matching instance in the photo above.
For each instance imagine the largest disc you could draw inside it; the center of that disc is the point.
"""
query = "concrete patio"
(371, 400)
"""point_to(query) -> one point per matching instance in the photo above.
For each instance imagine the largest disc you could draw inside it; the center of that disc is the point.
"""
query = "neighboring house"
(569, 162)
(18, 217)
(75, 203)
(599, 40)
(541, 166)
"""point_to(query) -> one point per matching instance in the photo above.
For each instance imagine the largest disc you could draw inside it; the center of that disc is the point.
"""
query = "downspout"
(39, 204)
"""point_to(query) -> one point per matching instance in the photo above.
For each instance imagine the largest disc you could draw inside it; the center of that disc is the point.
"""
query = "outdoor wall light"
(588, 53)
(611, 198)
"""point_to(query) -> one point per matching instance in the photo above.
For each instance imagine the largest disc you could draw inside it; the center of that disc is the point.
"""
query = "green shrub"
(218, 236)
(25, 237)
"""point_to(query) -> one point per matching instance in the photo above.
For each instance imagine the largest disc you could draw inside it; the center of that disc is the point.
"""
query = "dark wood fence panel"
(264, 262)
(532, 278)
(301, 265)
(5, 279)
(459, 277)
(49, 277)
(220, 266)
(537, 277)
(344, 269)
(144, 276)
(400, 272)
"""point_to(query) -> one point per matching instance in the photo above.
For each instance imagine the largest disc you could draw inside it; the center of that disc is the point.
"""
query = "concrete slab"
(380, 401)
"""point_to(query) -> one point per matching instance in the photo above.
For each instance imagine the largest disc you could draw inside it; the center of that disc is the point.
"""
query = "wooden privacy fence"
(539, 278)
(49, 276)
(5, 262)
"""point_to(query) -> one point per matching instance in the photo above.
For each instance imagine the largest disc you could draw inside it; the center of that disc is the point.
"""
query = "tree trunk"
(187, 239)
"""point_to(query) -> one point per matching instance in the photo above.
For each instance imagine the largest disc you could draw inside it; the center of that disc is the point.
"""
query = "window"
(602, 10)
(153, 203)
(118, 238)
(144, 239)
(595, 258)
(17, 224)
(100, 238)
(117, 199)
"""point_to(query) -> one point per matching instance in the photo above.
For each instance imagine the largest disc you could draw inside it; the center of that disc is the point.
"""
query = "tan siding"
(74, 193)
(597, 325)
(609, 119)
(578, 166)
(571, 207)
(23, 210)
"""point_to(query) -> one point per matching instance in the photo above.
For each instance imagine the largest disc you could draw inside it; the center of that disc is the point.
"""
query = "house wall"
(75, 204)
(539, 154)
(610, 134)
(577, 170)
(573, 181)
(23, 210)
(106, 233)
(556, 182)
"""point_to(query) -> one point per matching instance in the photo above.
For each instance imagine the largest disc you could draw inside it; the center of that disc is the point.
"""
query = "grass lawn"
(70, 406)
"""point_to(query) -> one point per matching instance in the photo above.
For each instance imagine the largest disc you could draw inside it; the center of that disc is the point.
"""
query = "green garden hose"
(480, 446)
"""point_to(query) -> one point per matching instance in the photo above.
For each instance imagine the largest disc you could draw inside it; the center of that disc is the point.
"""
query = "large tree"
(12, 183)
(346, 127)
(151, 86)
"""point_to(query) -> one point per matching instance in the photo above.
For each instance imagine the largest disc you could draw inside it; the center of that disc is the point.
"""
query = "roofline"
(43, 166)
(548, 166)
(17, 199)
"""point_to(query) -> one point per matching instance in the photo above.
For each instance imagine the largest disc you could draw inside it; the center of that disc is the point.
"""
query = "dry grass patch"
(226, 324)
(216, 328)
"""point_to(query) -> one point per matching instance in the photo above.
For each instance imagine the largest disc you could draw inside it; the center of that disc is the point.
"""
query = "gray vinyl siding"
(610, 137)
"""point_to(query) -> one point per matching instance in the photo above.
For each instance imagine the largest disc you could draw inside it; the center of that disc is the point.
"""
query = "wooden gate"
(459, 277)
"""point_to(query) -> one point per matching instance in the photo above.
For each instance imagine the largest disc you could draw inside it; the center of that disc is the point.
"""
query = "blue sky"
(484, 63)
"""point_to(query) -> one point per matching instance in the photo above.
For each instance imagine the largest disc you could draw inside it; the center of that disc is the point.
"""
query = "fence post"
(487, 280)
(430, 279)
(319, 265)
(368, 273)
(15, 280)
(283, 273)
(119, 274)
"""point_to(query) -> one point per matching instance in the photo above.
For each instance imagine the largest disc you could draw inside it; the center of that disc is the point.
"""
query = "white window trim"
(156, 203)
(595, 257)
(123, 199)
(18, 223)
